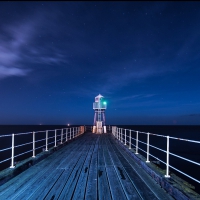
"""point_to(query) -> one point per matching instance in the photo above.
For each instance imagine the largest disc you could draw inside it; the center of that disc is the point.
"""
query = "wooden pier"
(91, 167)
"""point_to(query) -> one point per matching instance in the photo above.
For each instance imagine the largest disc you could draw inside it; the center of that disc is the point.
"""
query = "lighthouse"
(99, 107)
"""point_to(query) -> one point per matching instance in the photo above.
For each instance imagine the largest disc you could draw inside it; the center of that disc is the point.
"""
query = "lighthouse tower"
(99, 107)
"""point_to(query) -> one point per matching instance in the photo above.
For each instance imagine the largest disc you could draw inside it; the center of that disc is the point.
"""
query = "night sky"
(143, 57)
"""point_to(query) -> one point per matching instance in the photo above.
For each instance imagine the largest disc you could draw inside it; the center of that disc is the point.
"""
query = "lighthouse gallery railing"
(125, 136)
(59, 137)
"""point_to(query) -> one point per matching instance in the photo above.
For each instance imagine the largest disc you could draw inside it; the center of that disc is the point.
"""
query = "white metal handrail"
(23, 144)
(5, 135)
(65, 135)
(23, 133)
(6, 149)
(5, 160)
(125, 136)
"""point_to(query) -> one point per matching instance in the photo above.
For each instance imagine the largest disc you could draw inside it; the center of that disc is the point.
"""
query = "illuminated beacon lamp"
(99, 107)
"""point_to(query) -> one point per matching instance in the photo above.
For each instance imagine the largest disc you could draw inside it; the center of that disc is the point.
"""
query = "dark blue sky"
(55, 57)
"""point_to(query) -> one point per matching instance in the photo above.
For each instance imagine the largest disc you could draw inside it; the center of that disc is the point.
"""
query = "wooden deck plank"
(103, 184)
(128, 187)
(69, 188)
(146, 187)
(79, 192)
(115, 186)
(38, 183)
(39, 189)
(61, 184)
(42, 191)
(91, 188)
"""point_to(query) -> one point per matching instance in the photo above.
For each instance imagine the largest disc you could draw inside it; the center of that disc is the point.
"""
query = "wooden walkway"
(91, 167)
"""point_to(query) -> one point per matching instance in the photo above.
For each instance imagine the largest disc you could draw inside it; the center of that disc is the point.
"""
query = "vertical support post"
(70, 133)
(167, 163)
(125, 137)
(147, 148)
(136, 150)
(61, 136)
(12, 156)
(120, 130)
(130, 139)
(66, 133)
(55, 138)
(122, 135)
(118, 133)
(46, 141)
(33, 145)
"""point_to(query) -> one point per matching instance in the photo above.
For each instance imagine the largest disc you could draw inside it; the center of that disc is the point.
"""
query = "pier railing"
(131, 139)
(33, 142)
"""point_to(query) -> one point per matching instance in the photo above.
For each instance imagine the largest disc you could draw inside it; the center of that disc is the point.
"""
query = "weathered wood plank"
(91, 188)
(61, 184)
(115, 186)
(40, 182)
(128, 187)
(103, 185)
(142, 182)
(79, 192)
(69, 188)
(42, 191)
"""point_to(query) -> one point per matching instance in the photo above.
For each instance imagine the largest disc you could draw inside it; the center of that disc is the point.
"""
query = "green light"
(104, 103)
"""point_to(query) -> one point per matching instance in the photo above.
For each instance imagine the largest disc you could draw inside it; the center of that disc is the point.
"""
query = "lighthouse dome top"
(98, 98)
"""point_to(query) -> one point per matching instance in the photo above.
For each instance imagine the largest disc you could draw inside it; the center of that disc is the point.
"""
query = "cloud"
(120, 77)
(12, 71)
(20, 47)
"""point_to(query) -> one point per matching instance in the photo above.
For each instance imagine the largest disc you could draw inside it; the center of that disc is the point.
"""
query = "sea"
(189, 150)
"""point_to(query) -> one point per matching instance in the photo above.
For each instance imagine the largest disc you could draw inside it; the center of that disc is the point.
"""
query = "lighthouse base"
(99, 129)
(94, 129)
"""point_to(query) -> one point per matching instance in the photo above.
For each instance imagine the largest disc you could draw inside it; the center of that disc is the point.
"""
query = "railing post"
(12, 157)
(167, 164)
(147, 148)
(130, 139)
(125, 137)
(118, 133)
(55, 137)
(66, 133)
(121, 136)
(61, 136)
(33, 145)
(46, 141)
(70, 133)
(136, 149)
